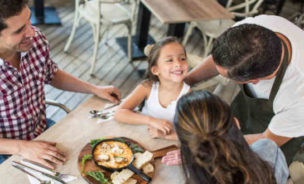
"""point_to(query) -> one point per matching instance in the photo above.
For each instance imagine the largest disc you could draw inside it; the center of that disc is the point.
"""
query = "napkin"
(42, 177)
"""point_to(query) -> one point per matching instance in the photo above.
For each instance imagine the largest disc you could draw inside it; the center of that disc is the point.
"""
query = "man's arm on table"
(280, 140)
(205, 70)
(65, 81)
(43, 152)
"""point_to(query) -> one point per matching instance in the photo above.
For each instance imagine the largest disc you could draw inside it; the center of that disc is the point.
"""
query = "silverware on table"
(15, 163)
(35, 165)
(103, 114)
(26, 172)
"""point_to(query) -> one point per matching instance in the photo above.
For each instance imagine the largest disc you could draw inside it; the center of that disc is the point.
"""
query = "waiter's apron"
(255, 114)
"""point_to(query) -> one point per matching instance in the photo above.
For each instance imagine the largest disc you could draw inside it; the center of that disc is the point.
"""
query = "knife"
(15, 163)
(36, 165)
(25, 171)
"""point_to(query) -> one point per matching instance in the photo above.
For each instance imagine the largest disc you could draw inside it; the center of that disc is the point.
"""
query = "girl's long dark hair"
(213, 148)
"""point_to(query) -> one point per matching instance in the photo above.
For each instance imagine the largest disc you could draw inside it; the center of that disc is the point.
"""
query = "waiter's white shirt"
(288, 104)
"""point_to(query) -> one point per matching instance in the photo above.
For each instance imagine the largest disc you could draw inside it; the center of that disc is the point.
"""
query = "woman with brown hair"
(213, 149)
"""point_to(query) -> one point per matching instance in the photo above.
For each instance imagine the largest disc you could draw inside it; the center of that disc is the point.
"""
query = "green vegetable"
(134, 147)
(98, 176)
(95, 141)
(121, 140)
(84, 159)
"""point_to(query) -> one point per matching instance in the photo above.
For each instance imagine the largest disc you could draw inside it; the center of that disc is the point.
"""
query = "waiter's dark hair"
(9, 8)
(248, 51)
(213, 149)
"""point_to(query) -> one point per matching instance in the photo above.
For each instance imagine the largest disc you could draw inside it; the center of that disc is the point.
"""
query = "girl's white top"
(154, 109)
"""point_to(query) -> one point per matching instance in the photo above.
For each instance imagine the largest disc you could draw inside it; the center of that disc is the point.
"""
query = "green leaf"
(135, 148)
(95, 141)
(98, 176)
(121, 140)
(84, 159)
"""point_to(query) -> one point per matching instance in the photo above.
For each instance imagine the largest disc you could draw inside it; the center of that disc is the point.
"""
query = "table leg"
(141, 38)
(43, 15)
(280, 5)
(176, 30)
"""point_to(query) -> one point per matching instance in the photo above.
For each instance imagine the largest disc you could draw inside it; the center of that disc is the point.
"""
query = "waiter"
(264, 55)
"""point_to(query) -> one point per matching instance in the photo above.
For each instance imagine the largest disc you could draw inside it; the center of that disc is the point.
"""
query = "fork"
(25, 171)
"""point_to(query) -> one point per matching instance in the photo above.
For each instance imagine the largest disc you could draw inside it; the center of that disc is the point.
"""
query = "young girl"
(213, 149)
(164, 86)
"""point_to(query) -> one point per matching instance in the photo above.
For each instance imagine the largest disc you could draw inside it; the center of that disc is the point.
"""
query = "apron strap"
(280, 74)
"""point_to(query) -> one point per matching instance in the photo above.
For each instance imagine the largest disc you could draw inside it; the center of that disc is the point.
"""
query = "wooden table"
(77, 129)
(175, 13)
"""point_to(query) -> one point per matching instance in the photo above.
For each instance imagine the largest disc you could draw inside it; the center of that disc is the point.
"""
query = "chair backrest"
(92, 6)
(247, 8)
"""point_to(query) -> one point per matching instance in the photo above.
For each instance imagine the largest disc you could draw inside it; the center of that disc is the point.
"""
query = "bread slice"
(114, 174)
(148, 168)
(142, 159)
(131, 181)
(122, 177)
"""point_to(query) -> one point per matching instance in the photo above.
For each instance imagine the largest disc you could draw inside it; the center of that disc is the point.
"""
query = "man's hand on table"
(43, 152)
(172, 158)
(107, 92)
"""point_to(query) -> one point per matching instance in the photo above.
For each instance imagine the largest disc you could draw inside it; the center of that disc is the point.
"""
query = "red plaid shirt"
(22, 98)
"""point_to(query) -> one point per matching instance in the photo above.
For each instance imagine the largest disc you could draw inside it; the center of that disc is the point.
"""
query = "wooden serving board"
(90, 165)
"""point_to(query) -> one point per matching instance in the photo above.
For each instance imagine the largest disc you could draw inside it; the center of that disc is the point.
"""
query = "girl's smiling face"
(172, 63)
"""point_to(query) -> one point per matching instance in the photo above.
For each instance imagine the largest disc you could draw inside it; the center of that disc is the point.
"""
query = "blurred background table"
(175, 13)
(43, 15)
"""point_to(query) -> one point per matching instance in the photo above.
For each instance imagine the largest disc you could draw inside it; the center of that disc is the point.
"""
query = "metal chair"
(214, 28)
(57, 104)
(103, 13)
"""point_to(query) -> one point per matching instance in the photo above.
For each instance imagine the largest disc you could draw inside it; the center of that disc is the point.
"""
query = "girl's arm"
(125, 112)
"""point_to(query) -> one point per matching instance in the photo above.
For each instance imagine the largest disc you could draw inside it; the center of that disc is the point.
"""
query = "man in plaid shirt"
(25, 68)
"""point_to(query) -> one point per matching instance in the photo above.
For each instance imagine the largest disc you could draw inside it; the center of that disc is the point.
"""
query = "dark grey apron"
(255, 114)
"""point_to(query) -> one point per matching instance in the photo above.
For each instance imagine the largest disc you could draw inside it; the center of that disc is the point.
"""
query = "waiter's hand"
(42, 152)
(172, 158)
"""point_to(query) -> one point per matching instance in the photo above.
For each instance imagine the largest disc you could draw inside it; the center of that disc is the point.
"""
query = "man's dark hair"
(248, 51)
(9, 8)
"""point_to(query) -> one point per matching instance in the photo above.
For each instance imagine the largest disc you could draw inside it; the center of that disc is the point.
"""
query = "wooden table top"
(77, 129)
(179, 11)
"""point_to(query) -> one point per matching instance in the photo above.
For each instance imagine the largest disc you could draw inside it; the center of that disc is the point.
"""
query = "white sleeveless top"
(153, 108)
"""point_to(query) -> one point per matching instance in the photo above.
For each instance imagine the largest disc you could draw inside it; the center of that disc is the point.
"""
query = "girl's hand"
(155, 133)
(164, 126)
(172, 158)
